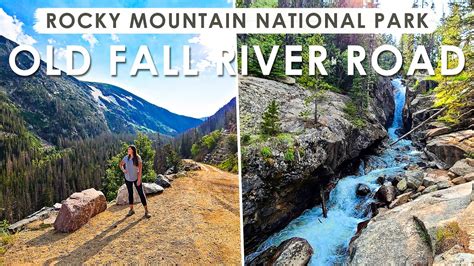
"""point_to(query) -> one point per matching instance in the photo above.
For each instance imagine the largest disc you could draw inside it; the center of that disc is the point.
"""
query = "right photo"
(362, 168)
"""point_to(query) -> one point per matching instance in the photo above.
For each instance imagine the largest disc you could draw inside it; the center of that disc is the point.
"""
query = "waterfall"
(330, 236)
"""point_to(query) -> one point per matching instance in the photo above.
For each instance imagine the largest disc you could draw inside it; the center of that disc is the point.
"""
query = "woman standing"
(131, 165)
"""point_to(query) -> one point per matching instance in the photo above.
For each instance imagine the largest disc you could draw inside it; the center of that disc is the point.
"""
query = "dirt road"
(196, 221)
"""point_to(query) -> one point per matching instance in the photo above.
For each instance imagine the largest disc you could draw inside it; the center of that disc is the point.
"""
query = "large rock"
(414, 179)
(275, 190)
(450, 148)
(362, 190)
(463, 167)
(434, 176)
(396, 238)
(77, 210)
(294, 251)
(386, 193)
(400, 199)
(148, 188)
(162, 181)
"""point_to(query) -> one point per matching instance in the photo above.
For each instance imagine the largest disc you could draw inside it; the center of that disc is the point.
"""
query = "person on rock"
(131, 165)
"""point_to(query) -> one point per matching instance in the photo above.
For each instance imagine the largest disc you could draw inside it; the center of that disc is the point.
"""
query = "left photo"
(122, 164)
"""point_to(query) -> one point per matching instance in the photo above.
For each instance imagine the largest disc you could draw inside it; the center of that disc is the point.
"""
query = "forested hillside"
(57, 134)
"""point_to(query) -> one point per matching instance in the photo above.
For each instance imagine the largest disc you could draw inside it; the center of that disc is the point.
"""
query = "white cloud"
(60, 53)
(114, 38)
(51, 41)
(212, 49)
(12, 29)
(90, 39)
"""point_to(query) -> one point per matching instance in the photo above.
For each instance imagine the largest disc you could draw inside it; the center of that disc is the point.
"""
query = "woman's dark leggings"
(130, 192)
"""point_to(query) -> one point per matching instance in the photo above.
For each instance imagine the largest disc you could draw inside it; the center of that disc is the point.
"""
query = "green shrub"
(266, 152)
(290, 155)
(231, 164)
(245, 139)
(353, 115)
(450, 235)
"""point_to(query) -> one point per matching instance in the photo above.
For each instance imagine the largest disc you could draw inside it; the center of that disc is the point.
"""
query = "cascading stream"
(330, 236)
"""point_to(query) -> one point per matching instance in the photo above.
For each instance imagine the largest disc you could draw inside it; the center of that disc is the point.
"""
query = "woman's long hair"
(135, 155)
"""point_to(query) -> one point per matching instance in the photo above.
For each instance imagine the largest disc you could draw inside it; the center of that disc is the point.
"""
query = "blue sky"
(192, 96)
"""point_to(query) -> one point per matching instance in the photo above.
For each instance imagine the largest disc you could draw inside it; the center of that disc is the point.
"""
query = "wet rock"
(77, 210)
(294, 251)
(263, 258)
(401, 199)
(148, 188)
(402, 185)
(362, 190)
(386, 193)
(162, 181)
(380, 180)
(459, 180)
(463, 167)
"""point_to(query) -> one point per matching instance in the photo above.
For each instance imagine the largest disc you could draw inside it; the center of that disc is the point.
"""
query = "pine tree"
(271, 121)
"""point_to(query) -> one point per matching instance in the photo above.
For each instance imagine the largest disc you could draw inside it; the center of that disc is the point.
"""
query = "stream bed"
(330, 236)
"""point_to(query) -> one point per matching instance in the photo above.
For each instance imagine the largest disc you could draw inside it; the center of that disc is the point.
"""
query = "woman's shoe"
(147, 215)
(130, 213)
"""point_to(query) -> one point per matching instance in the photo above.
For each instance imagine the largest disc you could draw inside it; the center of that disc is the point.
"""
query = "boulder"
(401, 199)
(162, 181)
(449, 148)
(463, 167)
(414, 178)
(469, 177)
(402, 185)
(294, 251)
(78, 209)
(386, 193)
(434, 176)
(430, 189)
(459, 180)
(434, 132)
(395, 237)
(362, 190)
(57, 206)
(444, 185)
(148, 188)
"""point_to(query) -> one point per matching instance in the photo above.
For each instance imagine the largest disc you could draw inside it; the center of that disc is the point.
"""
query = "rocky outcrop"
(148, 188)
(450, 148)
(281, 176)
(410, 233)
(78, 209)
(463, 167)
(294, 251)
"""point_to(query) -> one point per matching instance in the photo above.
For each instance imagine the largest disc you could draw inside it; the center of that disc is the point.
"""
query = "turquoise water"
(330, 236)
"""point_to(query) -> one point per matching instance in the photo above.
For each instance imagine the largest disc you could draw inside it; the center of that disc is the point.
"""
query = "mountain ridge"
(63, 107)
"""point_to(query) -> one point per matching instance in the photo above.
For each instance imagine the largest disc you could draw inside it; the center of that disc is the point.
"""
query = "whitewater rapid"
(330, 236)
